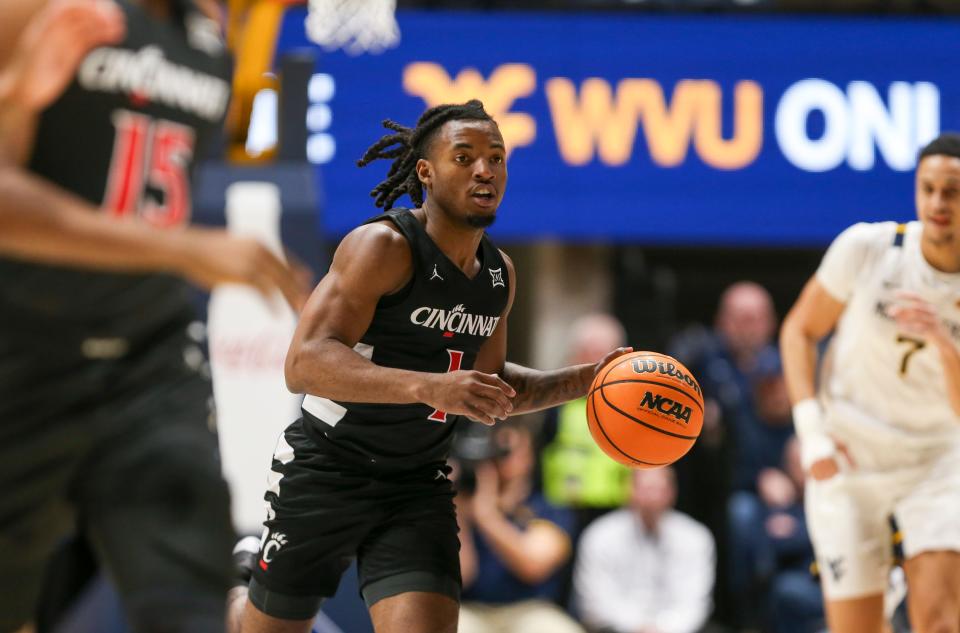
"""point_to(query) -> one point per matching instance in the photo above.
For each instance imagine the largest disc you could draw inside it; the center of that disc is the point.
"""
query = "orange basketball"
(645, 409)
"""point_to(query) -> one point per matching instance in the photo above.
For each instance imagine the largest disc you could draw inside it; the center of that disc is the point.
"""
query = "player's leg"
(164, 538)
(933, 599)
(855, 615)
(28, 536)
(39, 450)
(415, 612)
(319, 510)
(71, 569)
(929, 519)
(253, 620)
(154, 502)
(846, 517)
(409, 564)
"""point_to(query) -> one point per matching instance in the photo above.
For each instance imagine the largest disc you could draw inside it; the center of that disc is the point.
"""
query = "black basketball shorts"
(324, 512)
(124, 447)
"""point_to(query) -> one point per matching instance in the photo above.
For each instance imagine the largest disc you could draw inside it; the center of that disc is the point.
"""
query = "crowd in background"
(559, 538)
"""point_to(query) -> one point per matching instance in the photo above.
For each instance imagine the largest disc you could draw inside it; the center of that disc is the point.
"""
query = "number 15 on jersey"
(152, 153)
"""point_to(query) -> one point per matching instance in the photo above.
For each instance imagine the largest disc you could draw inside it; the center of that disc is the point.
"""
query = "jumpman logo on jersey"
(435, 274)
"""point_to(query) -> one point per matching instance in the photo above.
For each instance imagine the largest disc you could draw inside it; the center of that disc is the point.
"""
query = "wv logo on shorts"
(270, 547)
(836, 568)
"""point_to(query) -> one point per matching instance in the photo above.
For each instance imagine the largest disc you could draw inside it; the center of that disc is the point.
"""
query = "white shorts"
(849, 515)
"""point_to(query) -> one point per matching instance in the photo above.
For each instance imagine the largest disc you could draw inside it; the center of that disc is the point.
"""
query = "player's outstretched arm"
(40, 222)
(535, 389)
(373, 261)
(813, 316)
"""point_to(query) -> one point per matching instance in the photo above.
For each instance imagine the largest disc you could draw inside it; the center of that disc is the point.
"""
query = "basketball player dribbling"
(880, 435)
(104, 414)
(405, 334)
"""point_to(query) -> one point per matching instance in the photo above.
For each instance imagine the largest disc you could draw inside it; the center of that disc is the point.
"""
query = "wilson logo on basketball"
(667, 406)
(645, 366)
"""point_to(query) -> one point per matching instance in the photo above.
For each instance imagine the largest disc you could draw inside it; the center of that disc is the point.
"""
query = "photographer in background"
(513, 543)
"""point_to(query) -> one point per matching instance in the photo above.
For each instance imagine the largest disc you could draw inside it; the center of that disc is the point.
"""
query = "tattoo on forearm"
(542, 389)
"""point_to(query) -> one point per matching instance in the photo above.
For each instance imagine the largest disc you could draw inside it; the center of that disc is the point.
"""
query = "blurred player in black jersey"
(405, 335)
(103, 414)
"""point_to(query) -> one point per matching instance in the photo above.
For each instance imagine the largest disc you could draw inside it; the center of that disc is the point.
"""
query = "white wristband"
(815, 443)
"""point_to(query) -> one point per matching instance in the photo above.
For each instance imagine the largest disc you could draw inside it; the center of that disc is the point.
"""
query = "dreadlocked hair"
(408, 145)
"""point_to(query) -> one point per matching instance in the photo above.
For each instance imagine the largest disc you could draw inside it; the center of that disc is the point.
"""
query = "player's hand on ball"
(595, 369)
(479, 396)
(620, 351)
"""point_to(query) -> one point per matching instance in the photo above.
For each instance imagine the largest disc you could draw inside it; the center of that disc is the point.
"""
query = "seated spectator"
(576, 473)
(513, 544)
(646, 568)
(771, 552)
(727, 361)
(762, 437)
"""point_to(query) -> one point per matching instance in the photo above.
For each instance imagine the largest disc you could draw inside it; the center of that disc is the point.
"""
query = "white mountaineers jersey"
(887, 383)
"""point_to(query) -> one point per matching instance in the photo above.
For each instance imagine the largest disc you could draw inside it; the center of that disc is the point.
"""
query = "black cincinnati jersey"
(124, 137)
(436, 323)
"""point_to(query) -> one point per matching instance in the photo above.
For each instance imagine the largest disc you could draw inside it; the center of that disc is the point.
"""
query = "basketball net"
(356, 26)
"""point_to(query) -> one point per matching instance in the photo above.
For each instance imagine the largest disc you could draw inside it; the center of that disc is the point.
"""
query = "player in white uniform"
(880, 431)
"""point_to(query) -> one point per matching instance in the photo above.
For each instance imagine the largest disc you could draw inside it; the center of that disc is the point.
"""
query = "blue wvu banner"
(655, 129)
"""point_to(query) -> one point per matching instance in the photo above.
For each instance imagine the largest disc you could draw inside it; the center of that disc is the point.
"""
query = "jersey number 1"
(154, 153)
(456, 358)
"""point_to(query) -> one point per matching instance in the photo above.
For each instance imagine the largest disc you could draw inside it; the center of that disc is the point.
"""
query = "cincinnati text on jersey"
(147, 74)
(455, 320)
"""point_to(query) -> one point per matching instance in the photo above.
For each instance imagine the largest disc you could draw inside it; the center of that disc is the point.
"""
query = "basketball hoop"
(356, 26)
